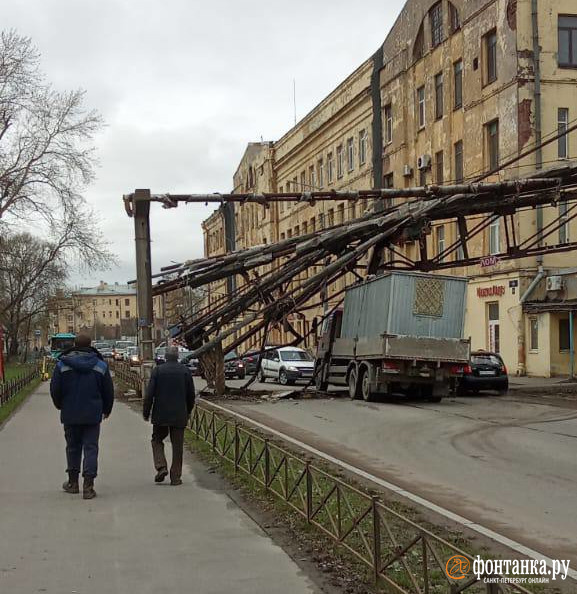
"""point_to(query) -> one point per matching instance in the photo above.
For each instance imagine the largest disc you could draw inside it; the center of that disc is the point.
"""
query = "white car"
(286, 365)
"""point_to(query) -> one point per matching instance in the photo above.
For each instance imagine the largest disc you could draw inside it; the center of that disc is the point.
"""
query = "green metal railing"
(408, 557)
(128, 376)
(10, 388)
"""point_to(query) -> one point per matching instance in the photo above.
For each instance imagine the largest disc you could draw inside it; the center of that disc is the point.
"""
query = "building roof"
(104, 289)
(550, 306)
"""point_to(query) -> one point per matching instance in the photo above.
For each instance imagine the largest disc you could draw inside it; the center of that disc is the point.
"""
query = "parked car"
(191, 362)
(487, 371)
(132, 356)
(234, 366)
(107, 352)
(286, 365)
(250, 359)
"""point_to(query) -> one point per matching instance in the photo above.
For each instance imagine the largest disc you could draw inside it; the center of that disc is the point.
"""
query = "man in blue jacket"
(82, 390)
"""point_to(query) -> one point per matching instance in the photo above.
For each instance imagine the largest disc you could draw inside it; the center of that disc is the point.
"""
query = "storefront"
(537, 337)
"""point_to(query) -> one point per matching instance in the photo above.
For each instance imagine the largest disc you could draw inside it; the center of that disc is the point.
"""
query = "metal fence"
(408, 557)
(10, 388)
(128, 376)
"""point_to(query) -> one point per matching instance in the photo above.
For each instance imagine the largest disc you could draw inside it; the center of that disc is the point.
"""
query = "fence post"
(236, 447)
(376, 539)
(266, 464)
(213, 435)
(425, 563)
(309, 488)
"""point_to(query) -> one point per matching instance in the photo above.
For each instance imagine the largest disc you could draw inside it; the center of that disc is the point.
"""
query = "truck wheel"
(365, 382)
(354, 386)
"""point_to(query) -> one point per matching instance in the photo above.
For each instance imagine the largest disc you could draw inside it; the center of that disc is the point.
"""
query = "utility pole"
(141, 205)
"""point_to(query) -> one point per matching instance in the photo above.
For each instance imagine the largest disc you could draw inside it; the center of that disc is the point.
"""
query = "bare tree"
(46, 155)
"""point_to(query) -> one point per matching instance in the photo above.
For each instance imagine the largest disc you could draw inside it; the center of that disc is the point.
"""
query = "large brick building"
(456, 88)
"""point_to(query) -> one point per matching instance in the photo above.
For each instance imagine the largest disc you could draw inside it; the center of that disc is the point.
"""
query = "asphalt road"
(135, 537)
(506, 463)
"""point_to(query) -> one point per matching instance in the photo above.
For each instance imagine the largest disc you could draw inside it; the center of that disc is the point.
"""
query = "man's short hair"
(82, 340)
(171, 353)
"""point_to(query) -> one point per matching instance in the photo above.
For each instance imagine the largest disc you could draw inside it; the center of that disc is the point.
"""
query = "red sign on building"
(494, 291)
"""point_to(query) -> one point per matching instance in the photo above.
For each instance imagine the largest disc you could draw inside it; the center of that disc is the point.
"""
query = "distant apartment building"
(104, 312)
(457, 89)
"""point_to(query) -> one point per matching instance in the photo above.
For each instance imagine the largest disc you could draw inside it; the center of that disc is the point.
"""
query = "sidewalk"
(529, 383)
(135, 537)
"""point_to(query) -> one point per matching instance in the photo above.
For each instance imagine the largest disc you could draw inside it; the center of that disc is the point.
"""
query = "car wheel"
(283, 378)
(241, 375)
(261, 377)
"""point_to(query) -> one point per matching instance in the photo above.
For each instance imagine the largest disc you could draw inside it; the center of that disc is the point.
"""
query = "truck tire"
(354, 384)
(365, 385)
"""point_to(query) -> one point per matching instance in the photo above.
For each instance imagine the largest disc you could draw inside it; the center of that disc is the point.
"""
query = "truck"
(401, 332)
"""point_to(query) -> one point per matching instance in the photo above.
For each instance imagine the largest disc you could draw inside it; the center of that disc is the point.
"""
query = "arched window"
(436, 19)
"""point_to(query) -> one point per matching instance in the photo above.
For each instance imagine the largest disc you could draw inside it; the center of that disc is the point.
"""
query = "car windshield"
(486, 360)
(124, 344)
(295, 356)
(230, 356)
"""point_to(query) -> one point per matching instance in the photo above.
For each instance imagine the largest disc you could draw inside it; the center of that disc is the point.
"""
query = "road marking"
(487, 532)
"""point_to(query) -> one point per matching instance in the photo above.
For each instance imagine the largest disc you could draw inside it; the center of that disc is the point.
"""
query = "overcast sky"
(184, 85)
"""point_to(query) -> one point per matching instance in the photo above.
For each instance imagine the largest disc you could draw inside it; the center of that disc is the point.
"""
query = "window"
(330, 168)
(321, 172)
(313, 225)
(460, 250)
(494, 238)
(117, 314)
(494, 327)
(439, 96)
(568, 41)
(117, 302)
(441, 241)
(350, 154)
(421, 107)
(389, 181)
(297, 231)
(562, 126)
(458, 83)
(340, 161)
(564, 334)
(436, 17)
(362, 147)
(303, 181)
(491, 56)
(459, 169)
(388, 124)
(564, 222)
(534, 334)
(493, 145)
(312, 178)
(331, 217)
(341, 213)
(454, 18)
(127, 302)
(305, 228)
(322, 220)
(439, 168)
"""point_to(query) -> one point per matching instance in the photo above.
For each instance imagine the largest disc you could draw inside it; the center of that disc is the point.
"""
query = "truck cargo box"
(405, 304)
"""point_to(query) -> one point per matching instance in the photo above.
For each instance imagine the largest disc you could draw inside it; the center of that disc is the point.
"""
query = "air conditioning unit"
(424, 162)
(408, 171)
(554, 283)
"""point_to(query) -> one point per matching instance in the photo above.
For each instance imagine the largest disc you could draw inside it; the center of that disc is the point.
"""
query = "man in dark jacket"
(82, 391)
(170, 397)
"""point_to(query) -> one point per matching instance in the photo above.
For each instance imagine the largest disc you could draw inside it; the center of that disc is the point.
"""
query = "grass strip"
(8, 409)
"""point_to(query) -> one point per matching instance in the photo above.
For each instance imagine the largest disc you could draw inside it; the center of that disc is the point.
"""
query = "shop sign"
(494, 291)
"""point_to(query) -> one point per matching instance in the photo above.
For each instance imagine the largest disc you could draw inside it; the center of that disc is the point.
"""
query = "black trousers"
(159, 434)
(82, 439)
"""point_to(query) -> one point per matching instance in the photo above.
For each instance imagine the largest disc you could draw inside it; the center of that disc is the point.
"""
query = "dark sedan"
(233, 366)
(487, 372)
(250, 360)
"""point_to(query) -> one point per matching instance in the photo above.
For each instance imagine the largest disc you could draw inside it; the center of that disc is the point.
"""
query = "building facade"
(458, 89)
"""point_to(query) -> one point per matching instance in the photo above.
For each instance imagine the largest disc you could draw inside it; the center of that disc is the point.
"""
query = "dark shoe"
(71, 487)
(175, 482)
(88, 491)
(160, 476)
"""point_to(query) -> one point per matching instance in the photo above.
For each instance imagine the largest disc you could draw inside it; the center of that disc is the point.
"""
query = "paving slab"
(135, 537)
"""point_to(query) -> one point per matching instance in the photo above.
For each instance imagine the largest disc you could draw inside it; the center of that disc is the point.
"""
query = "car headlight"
(292, 368)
